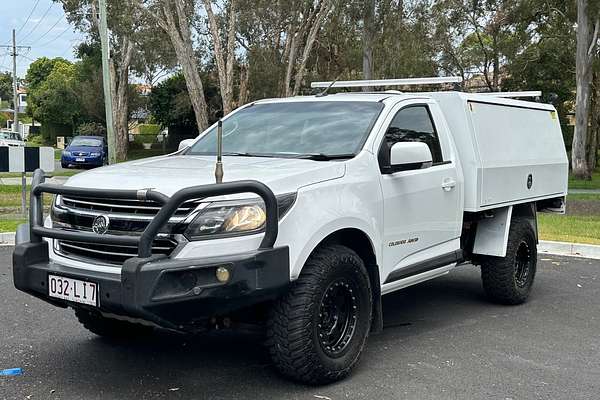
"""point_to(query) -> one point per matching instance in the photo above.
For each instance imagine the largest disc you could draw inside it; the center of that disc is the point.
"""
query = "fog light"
(222, 274)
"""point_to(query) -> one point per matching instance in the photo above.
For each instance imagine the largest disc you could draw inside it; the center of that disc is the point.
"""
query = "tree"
(473, 37)
(224, 52)
(6, 90)
(55, 98)
(174, 18)
(368, 38)
(547, 59)
(39, 70)
(124, 24)
(281, 39)
(170, 105)
(588, 25)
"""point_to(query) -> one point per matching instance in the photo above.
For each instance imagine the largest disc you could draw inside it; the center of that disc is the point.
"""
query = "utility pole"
(15, 95)
(13, 52)
(110, 128)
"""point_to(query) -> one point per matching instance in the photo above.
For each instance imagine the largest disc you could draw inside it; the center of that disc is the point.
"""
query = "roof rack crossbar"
(530, 93)
(388, 82)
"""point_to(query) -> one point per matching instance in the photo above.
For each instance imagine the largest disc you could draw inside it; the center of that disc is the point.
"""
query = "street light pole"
(110, 130)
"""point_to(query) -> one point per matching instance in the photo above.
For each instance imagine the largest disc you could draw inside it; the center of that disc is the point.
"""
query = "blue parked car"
(85, 151)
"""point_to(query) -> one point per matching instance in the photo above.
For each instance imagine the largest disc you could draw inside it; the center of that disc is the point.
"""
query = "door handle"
(448, 184)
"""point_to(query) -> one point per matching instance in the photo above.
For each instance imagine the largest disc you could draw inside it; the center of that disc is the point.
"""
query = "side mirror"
(405, 156)
(185, 143)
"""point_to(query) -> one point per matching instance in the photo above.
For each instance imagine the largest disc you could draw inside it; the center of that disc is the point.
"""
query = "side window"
(412, 124)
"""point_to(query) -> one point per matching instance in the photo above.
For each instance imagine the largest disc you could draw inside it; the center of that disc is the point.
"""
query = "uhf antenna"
(219, 165)
(324, 92)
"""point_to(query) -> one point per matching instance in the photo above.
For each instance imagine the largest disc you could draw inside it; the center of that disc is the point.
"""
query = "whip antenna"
(219, 165)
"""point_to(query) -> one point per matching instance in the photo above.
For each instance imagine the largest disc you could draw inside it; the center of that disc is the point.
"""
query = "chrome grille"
(111, 254)
(127, 217)
(130, 207)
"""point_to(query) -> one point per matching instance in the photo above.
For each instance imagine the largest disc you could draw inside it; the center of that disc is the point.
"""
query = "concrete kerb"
(569, 249)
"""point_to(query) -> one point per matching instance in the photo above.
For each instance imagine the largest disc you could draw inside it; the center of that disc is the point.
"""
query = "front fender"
(323, 209)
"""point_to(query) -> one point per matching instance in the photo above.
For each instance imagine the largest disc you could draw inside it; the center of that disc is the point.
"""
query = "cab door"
(422, 210)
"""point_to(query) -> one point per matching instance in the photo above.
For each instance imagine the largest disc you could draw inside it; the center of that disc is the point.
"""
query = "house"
(22, 100)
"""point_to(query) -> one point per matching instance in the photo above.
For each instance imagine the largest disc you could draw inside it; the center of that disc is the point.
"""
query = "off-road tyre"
(301, 338)
(504, 279)
(112, 328)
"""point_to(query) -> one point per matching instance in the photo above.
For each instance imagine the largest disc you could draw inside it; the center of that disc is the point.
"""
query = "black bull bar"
(168, 207)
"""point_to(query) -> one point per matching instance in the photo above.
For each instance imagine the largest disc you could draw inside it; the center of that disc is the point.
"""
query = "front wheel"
(508, 280)
(317, 331)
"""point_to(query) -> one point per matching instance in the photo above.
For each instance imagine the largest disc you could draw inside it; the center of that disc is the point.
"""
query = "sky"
(46, 31)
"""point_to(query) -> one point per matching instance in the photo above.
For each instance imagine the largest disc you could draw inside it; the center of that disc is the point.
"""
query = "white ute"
(327, 203)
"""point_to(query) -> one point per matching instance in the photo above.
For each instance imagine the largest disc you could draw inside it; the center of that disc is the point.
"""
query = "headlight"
(233, 218)
(66, 153)
(95, 154)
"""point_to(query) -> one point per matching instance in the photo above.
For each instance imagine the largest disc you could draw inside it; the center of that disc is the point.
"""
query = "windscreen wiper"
(325, 157)
(244, 154)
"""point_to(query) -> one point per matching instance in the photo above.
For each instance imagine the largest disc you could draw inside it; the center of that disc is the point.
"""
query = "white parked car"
(10, 138)
(328, 202)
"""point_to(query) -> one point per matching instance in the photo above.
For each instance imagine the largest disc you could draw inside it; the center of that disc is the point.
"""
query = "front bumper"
(170, 293)
(87, 160)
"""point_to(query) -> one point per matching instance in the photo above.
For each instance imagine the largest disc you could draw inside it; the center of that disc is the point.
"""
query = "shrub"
(91, 129)
(148, 129)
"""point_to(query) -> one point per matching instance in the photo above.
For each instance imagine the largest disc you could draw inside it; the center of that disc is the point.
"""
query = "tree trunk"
(495, 64)
(592, 148)
(224, 67)
(291, 61)
(181, 39)
(368, 37)
(585, 50)
(244, 80)
(310, 41)
(120, 99)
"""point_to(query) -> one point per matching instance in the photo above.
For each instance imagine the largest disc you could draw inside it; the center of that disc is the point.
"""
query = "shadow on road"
(237, 363)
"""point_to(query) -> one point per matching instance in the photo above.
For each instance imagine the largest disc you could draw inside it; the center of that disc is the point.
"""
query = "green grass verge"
(69, 172)
(137, 154)
(583, 196)
(10, 197)
(582, 184)
(570, 228)
(10, 225)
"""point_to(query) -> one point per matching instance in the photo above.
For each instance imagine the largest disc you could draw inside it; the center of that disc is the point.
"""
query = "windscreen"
(294, 129)
(89, 142)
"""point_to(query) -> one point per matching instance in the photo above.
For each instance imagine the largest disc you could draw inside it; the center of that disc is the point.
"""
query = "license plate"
(80, 159)
(73, 290)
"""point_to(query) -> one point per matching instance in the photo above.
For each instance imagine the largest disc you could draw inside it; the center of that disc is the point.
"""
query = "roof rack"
(530, 93)
(388, 82)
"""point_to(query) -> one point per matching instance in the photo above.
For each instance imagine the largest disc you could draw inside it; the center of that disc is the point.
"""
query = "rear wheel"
(318, 330)
(111, 328)
(62, 164)
(508, 280)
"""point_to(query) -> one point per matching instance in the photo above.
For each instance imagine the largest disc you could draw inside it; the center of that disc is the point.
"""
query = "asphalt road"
(442, 341)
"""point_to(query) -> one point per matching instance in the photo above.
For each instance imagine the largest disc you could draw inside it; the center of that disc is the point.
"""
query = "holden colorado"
(321, 205)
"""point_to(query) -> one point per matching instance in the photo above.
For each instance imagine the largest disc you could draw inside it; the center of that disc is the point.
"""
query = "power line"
(49, 30)
(39, 21)
(29, 16)
(51, 41)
